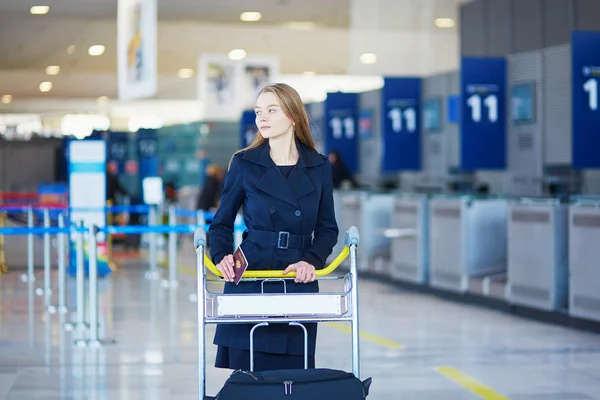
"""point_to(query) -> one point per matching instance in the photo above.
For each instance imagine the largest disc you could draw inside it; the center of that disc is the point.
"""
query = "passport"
(240, 265)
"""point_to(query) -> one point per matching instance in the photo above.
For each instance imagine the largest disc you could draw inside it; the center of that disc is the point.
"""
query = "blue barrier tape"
(113, 209)
(193, 214)
(109, 229)
(112, 230)
(185, 213)
(35, 231)
(18, 209)
(129, 209)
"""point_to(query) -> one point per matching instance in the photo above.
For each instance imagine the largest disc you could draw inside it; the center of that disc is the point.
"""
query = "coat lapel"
(299, 182)
(274, 183)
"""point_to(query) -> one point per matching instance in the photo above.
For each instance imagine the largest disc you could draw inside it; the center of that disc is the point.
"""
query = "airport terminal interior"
(462, 140)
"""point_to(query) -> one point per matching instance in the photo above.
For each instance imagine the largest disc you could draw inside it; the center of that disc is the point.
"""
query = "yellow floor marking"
(345, 327)
(470, 384)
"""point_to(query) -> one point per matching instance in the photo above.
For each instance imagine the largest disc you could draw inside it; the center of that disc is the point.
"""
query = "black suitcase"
(313, 384)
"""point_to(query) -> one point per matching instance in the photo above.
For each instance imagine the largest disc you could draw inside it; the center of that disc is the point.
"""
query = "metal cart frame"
(262, 309)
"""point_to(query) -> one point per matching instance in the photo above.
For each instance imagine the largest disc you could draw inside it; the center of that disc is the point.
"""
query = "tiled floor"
(406, 338)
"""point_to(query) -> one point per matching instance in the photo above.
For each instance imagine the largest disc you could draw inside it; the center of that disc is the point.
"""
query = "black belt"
(281, 239)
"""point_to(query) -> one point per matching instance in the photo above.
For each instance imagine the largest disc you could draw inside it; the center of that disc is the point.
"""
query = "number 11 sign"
(400, 121)
(586, 114)
(483, 119)
(341, 110)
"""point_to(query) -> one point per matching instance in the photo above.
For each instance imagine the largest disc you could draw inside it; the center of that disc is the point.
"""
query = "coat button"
(298, 213)
(272, 210)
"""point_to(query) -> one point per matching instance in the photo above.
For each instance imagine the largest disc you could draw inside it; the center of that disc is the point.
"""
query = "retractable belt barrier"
(60, 208)
(88, 235)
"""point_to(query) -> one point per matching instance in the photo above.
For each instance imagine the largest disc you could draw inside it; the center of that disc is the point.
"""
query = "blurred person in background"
(203, 162)
(113, 185)
(340, 171)
(210, 193)
(171, 196)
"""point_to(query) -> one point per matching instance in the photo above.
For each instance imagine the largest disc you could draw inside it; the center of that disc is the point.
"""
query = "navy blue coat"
(302, 204)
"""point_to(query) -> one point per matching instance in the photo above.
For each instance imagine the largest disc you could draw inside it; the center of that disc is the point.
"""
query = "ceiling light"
(185, 73)
(39, 10)
(444, 23)
(309, 74)
(7, 99)
(96, 50)
(52, 70)
(251, 16)
(237, 54)
(368, 58)
(71, 49)
(301, 26)
(102, 100)
(45, 86)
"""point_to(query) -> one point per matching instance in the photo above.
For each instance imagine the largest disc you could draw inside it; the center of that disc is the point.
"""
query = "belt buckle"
(286, 235)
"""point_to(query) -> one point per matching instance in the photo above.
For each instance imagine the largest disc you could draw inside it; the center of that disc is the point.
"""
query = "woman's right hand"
(226, 267)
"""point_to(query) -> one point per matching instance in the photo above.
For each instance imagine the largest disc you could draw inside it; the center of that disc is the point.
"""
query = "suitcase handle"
(267, 324)
(352, 239)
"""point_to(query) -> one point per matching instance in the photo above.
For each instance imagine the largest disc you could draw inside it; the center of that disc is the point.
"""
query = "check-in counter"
(371, 213)
(538, 254)
(467, 240)
(410, 238)
(584, 259)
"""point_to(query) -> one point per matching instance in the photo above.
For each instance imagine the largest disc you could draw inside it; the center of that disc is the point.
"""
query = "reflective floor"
(414, 346)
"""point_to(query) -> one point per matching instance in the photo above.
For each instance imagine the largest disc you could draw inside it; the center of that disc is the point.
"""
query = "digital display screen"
(523, 103)
(432, 115)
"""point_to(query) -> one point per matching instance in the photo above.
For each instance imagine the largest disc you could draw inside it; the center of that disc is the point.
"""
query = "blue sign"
(341, 111)
(483, 113)
(147, 143)
(453, 104)
(248, 128)
(118, 150)
(586, 95)
(400, 120)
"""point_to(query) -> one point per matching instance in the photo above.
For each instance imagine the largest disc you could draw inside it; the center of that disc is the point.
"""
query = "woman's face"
(270, 118)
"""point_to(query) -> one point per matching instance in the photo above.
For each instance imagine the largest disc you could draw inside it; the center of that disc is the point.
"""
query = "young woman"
(285, 189)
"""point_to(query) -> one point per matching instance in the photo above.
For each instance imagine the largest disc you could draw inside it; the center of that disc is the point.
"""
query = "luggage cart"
(263, 309)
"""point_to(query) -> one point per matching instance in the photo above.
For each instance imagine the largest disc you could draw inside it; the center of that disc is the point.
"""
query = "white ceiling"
(322, 12)
(186, 29)
(35, 44)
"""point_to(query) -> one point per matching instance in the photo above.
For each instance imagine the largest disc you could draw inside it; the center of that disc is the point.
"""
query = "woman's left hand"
(305, 272)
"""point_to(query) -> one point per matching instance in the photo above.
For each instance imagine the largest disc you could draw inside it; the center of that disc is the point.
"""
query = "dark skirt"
(232, 358)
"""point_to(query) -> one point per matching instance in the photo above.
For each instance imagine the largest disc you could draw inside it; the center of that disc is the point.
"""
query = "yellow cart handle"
(352, 238)
(264, 274)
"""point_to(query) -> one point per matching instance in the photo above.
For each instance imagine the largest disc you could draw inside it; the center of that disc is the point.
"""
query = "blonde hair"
(293, 108)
